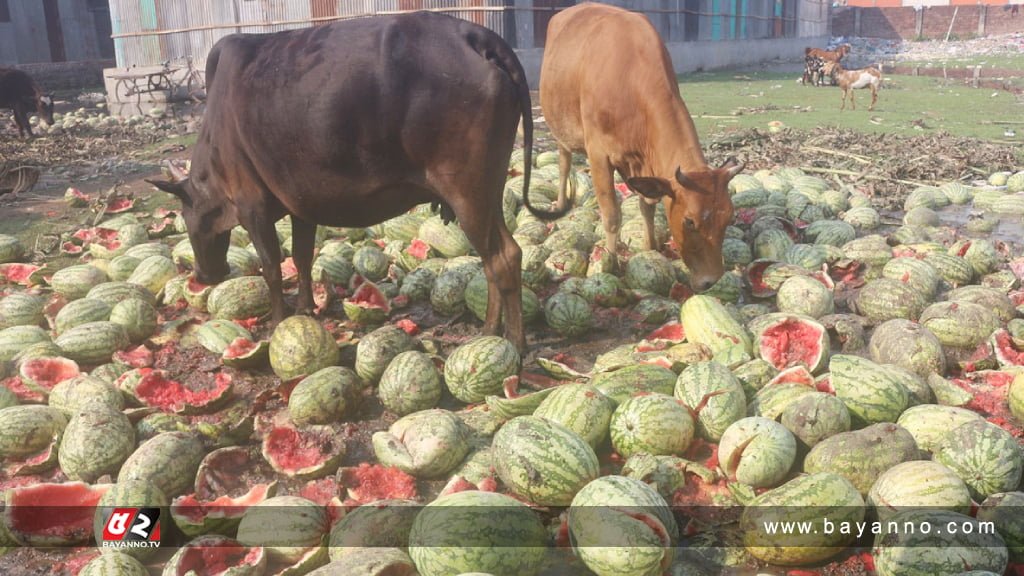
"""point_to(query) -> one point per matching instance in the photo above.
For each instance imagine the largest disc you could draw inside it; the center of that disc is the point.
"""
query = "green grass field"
(908, 105)
(1000, 62)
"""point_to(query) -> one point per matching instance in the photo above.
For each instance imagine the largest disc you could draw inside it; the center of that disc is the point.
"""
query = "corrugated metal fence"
(148, 32)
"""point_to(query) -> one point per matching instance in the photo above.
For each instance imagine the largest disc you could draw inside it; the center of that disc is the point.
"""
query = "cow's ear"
(653, 188)
(179, 189)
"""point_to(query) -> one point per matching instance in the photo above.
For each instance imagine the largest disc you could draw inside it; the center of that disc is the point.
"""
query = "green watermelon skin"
(869, 392)
(711, 390)
(986, 457)
(918, 483)
(114, 292)
(937, 552)
(478, 368)
(74, 282)
(619, 385)
(929, 424)
(16, 338)
(581, 408)
(378, 348)
(656, 424)
(96, 442)
(410, 383)
(474, 531)
(168, 460)
(138, 318)
(706, 321)
(114, 564)
(129, 493)
(300, 346)
(21, 309)
(543, 462)
(79, 312)
(93, 343)
(216, 335)
(325, 396)
(29, 429)
(863, 455)
(153, 273)
(239, 298)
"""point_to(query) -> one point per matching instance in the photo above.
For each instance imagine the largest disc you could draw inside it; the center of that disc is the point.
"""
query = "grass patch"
(907, 105)
(1002, 62)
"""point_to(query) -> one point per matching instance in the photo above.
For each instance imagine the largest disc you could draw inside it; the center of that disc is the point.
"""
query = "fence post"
(856, 21)
(524, 24)
(982, 19)
(919, 22)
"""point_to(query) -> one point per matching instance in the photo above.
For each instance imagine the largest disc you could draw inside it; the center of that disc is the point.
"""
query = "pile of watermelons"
(848, 366)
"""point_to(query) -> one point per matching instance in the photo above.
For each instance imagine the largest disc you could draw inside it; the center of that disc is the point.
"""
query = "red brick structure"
(890, 19)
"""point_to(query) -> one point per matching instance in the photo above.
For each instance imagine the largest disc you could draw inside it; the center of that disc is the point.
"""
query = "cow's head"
(699, 210)
(209, 219)
(44, 108)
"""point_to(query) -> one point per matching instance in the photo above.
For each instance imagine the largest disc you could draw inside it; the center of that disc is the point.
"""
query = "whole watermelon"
(300, 346)
(478, 368)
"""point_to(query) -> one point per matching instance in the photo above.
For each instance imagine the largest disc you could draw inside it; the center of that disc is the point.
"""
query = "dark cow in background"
(350, 124)
(18, 92)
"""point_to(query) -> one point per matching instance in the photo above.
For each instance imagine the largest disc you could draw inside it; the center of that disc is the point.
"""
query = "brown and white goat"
(850, 80)
(816, 58)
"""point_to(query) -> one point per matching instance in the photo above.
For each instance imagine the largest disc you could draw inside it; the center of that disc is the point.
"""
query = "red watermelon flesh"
(191, 507)
(370, 482)
(418, 249)
(1005, 349)
(755, 277)
(138, 357)
(288, 270)
(71, 248)
(32, 462)
(239, 347)
(791, 342)
(14, 273)
(793, 375)
(158, 391)
(672, 331)
(46, 373)
(24, 393)
(63, 512)
(293, 449)
(369, 295)
(120, 205)
(219, 558)
(97, 234)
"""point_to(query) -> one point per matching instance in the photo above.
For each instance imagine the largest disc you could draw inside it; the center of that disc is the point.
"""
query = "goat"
(850, 80)
(812, 71)
(813, 56)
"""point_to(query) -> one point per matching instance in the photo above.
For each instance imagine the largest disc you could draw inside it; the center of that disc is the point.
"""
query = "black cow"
(352, 123)
(20, 93)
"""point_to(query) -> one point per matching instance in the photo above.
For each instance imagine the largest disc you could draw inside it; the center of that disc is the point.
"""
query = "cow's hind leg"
(874, 97)
(21, 119)
(303, 238)
(264, 238)
(564, 173)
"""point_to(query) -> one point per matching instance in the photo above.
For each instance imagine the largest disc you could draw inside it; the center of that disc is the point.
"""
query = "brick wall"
(68, 75)
(901, 22)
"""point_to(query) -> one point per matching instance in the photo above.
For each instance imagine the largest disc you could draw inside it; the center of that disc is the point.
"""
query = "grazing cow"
(352, 123)
(18, 92)
(619, 103)
(850, 80)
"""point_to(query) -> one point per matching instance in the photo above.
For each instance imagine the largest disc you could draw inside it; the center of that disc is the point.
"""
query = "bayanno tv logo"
(132, 528)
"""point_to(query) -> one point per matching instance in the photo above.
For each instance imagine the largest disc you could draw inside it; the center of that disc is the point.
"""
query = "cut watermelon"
(156, 390)
(312, 452)
(244, 353)
(289, 272)
(367, 305)
(221, 515)
(794, 341)
(228, 481)
(1007, 352)
(138, 357)
(42, 374)
(217, 555)
(75, 198)
(369, 482)
(120, 205)
(670, 332)
(71, 248)
(418, 249)
(22, 274)
(161, 228)
(755, 278)
(793, 375)
(25, 394)
(52, 514)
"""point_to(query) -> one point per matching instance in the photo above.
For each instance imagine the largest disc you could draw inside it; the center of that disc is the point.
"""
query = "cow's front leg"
(303, 239)
(647, 211)
(608, 201)
(264, 238)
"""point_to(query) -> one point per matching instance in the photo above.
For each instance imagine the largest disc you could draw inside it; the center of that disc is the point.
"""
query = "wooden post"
(856, 22)
(919, 22)
(982, 18)
(951, 22)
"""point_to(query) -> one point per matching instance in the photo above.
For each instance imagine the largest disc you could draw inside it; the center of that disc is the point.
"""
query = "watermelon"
(448, 239)
(986, 457)
(620, 526)
(21, 309)
(814, 498)
(814, 417)
(308, 452)
(426, 444)
(475, 531)
(1003, 510)
(649, 271)
(300, 346)
(239, 298)
(711, 391)
(757, 451)
(368, 305)
(76, 502)
(129, 493)
(863, 455)
(805, 295)
(243, 353)
(656, 424)
(922, 484)
(168, 460)
(216, 335)
(930, 423)
(884, 299)
(960, 324)
(909, 345)
(325, 396)
(96, 442)
(568, 314)
(43, 373)
(410, 383)
(153, 273)
(370, 262)
(114, 292)
(370, 562)
(16, 338)
(706, 321)
(286, 527)
(869, 391)
(138, 318)
(216, 554)
(789, 341)
(31, 437)
(522, 450)
(377, 349)
(378, 524)
(11, 249)
(74, 282)
(79, 312)
(478, 368)
(942, 542)
(93, 342)
(581, 408)
(114, 564)
(992, 298)
(157, 390)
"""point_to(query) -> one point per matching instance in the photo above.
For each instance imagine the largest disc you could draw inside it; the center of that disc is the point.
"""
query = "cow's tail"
(497, 51)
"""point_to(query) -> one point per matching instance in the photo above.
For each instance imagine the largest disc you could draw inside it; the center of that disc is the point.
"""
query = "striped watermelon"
(370, 262)
(622, 527)
(114, 564)
(930, 423)
(426, 444)
(216, 335)
(474, 531)
(581, 408)
(568, 314)
(921, 484)
(300, 346)
(542, 461)
(285, 527)
(74, 282)
(80, 311)
(1003, 510)
(863, 455)
(31, 435)
(153, 273)
(867, 389)
(812, 498)
(931, 549)
(656, 424)
(97, 441)
(448, 239)
(909, 345)
(757, 451)
(138, 318)
(789, 340)
(378, 348)
(816, 416)
(21, 309)
(114, 292)
(11, 249)
(16, 338)
(478, 368)
(325, 396)
(706, 321)
(216, 554)
(239, 298)
(168, 460)
(378, 524)
(986, 457)
(72, 395)
(884, 299)
(619, 385)
(410, 383)
(93, 342)
(711, 391)
(960, 324)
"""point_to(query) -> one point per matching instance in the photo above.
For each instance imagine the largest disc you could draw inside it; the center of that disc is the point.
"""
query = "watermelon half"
(42, 374)
(370, 482)
(1008, 353)
(794, 341)
(23, 274)
(367, 305)
(309, 452)
(215, 554)
(43, 515)
(244, 353)
(156, 390)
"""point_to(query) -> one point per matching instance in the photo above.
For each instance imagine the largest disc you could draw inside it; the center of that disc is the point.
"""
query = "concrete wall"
(931, 22)
(24, 39)
(705, 55)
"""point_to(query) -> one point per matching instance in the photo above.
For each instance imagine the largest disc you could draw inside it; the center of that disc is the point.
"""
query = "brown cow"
(350, 124)
(20, 93)
(607, 88)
